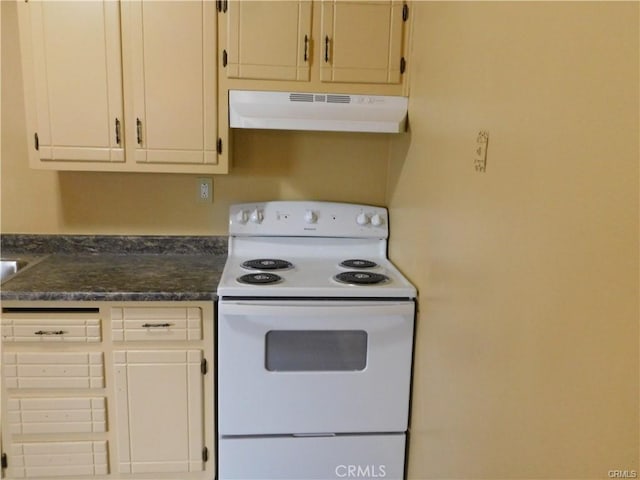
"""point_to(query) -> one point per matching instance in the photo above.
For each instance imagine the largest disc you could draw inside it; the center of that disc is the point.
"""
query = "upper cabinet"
(73, 79)
(122, 86)
(173, 74)
(353, 46)
(268, 40)
(361, 41)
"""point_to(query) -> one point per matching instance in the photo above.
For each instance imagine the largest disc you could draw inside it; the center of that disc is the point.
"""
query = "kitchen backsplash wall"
(267, 165)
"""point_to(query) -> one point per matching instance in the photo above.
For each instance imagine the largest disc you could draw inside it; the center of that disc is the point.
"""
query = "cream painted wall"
(527, 360)
(267, 165)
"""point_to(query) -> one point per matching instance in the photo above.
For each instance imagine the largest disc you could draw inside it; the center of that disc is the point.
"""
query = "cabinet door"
(159, 411)
(173, 73)
(269, 40)
(73, 81)
(361, 41)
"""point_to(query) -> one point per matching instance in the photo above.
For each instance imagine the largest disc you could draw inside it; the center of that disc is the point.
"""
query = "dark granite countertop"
(116, 271)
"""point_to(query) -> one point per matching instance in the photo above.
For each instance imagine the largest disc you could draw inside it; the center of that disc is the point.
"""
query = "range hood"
(317, 111)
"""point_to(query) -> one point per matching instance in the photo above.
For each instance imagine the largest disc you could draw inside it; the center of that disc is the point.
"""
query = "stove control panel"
(308, 219)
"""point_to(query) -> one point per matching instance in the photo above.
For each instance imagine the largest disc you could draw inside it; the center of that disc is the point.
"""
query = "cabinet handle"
(156, 325)
(50, 332)
(139, 130)
(306, 47)
(326, 48)
(117, 132)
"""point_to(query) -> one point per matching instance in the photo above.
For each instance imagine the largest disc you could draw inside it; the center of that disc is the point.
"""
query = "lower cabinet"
(111, 390)
(153, 385)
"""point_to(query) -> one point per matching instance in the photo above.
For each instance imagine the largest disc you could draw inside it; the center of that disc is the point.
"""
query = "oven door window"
(315, 350)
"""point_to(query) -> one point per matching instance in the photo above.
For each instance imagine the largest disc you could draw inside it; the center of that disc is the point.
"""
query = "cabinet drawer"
(53, 370)
(58, 459)
(56, 415)
(156, 324)
(51, 330)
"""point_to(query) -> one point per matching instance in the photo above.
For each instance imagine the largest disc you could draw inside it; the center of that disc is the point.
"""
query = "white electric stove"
(315, 338)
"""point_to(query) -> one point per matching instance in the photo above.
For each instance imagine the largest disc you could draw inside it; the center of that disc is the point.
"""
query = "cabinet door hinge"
(205, 454)
(3, 461)
(224, 58)
(403, 65)
(204, 367)
(36, 141)
(405, 12)
(219, 146)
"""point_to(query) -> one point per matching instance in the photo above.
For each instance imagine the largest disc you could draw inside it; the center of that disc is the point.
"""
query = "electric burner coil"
(262, 278)
(361, 278)
(266, 264)
(358, 263)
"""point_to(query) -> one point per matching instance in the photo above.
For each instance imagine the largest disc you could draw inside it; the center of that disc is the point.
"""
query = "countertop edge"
(107, 296)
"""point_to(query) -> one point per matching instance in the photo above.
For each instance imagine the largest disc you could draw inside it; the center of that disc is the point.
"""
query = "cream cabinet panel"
(361, 41)
(173, 67)
(53, 370)
(71, 57)
(56, 415)
(159, 410)
(58, 459)
(269, 40)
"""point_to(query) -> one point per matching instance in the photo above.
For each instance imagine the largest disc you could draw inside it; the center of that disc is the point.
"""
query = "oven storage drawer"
(313, 458)
(291, 367)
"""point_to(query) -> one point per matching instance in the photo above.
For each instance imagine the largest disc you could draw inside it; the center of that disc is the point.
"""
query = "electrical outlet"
(205, 190)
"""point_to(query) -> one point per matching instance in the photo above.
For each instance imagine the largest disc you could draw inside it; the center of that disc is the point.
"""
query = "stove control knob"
(256, 216)
(310, 216)
(242, 216)
(362, 219)
(377, 220)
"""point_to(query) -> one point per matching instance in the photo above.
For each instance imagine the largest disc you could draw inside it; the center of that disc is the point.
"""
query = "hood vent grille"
(317, 111)
(338, 99)
(310, 97)
(301, 97)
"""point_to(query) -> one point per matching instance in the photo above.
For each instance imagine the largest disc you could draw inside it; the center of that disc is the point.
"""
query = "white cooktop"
(315, 237)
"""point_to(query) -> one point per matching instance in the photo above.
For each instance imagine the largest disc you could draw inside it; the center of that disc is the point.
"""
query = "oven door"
(313, 367)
